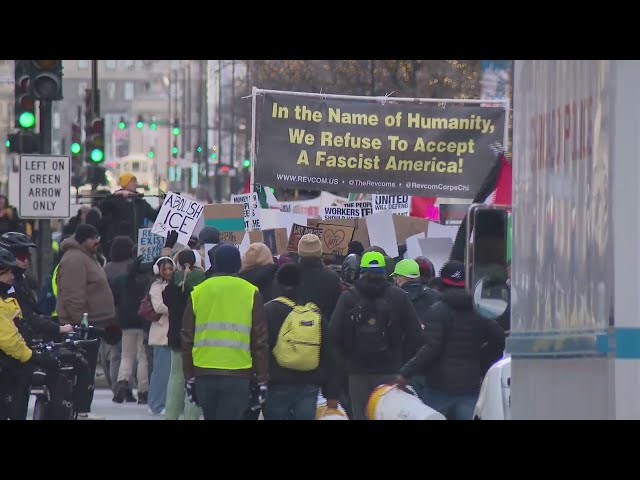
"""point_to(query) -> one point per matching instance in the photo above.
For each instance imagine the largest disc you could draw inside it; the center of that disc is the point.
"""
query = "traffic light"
(25, 113)
(246, 163)
(176, 128)
(46, 79)
(174, 151)
(153, 125)
(23, 141)
(214, 153)
(152, 153)
(140, 122)
(199, 149)
(76, 139)
(95, 141)
(122, 125)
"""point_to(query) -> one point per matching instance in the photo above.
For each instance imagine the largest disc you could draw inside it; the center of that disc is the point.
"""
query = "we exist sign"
(180, 214)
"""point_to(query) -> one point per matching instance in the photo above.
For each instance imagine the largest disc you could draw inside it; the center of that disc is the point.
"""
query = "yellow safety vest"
(223, 308)
(54, 287)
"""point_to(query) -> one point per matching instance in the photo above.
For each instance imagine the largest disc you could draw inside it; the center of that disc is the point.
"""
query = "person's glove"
(44, 360)
(172, 239)
(262, 393)
(191, 391)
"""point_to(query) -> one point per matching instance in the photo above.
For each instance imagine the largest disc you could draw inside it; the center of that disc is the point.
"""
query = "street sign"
(45, 183)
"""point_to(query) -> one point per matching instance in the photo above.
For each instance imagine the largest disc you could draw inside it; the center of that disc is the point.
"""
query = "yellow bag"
(298, 344)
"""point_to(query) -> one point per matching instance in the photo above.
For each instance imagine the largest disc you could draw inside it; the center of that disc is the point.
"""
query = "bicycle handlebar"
(66, 343)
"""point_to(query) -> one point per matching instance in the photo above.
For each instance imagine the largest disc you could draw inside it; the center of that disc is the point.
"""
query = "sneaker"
(130, 398)
(121, 391)
(142, 398)
(151, 412)
(90, 416)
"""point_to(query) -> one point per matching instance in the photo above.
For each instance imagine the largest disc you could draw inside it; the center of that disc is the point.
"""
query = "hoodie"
(460, 345)
(175, 297)
(404, 329)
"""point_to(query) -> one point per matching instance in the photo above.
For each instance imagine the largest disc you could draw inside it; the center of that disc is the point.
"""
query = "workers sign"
(180, 214)
(45, 182)
(367, 146)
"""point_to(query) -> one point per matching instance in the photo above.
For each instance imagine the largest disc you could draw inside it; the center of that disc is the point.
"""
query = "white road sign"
(45, 182)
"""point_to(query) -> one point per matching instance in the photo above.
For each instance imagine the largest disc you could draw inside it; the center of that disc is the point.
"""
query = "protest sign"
(274, 238)
(250, 222)
(366, 207)
(228, 218)
(335, 238)
(382, 232)
(353, 144)
(149, 244)
(180, 214)
(331, 213)
(398, 204)
(297, 232)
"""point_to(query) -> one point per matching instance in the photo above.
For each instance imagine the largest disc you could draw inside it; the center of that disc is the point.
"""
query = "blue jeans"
(454, 407)
(221, 397)
(159, 378)
(291, 402)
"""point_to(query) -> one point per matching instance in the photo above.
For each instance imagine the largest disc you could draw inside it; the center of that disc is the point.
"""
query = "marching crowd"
(255, 332)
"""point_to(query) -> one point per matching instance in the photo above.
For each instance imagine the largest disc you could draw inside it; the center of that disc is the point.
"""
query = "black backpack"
(370, 336)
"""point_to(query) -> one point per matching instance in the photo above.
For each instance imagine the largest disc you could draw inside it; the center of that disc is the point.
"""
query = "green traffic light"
(199, 149)
(153, 126)
(174, 150)
(151, 154)
(97, 155)
(139, 124)
(27, 120)
(246, 163)
(75, 148)
(213, 156)
(176, 131)
(7, 143)
(122, 125)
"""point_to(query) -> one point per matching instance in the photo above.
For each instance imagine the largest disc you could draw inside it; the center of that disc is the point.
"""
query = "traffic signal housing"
(76, 140)
(140, 122)
(25, 107)
(176, 128)
(95, 141)
(46, 79)
(23, 141)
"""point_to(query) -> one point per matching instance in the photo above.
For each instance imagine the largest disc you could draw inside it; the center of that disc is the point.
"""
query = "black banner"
(364, 146)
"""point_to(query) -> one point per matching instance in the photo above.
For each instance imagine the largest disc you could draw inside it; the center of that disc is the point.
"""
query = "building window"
(111, 90)
(82, 87)
(127, 64)
(83, 64)
(110, 64)
(128, 91)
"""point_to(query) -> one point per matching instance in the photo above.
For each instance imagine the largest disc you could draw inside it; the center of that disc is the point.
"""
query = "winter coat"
(460, 346)
(422, 298)
(128, 291)
(263, 277)
(158, 334)
(175, 298)
(404, 329)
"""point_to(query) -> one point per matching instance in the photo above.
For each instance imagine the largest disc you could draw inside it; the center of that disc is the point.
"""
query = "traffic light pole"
(45, 254)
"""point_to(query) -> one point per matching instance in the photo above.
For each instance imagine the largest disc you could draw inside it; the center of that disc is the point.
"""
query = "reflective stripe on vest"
(223, 310)
(54, 288)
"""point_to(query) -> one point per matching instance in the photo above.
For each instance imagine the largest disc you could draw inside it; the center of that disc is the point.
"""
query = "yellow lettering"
(451, 147)
(431, 147)
(391, 163)
(303, 158)
(441, 166)
(320, 158)
(419, 146)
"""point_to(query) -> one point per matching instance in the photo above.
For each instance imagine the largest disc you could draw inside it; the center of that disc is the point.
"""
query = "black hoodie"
(422, 298)
(460, 345)
(262, 277)
(404, 330)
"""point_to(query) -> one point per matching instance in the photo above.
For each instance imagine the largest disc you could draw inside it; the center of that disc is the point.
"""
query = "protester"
(459, 348)
(258, 268)
(350, 270)
(293, 392)
(407, 277)
(163, 269)
(9, 221)
(374, 330)
(355, 247)
(175, 296)
(225, 340)
(427, 270)
(83, 288)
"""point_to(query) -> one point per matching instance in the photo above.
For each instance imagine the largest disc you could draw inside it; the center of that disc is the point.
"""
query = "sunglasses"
(23, 257)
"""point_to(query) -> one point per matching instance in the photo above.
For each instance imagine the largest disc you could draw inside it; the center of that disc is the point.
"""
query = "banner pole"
(254, 92)
(507, 105)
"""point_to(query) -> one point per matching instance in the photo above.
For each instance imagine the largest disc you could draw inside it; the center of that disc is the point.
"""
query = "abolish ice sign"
(180, 214)
(45, 182)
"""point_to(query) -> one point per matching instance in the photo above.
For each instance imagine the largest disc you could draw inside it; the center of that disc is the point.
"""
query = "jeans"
(454, 407)
(222, 398)
(177, 403)
(360, 387)
(291, 402)
(159, 378)
(132, 349)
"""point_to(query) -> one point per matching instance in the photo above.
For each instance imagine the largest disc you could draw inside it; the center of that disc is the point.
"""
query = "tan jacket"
(83, 287)
(159, 330)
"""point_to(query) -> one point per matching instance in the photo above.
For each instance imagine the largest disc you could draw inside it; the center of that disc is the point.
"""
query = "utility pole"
(233, 112)
(45, 254)
(95, 112)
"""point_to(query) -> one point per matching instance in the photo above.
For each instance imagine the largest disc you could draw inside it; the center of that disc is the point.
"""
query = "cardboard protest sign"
(274, 238)
(149, 244)
(180, 214)
(250, 222)
(382, 232)
(407, 226)
(359, 225)
(335, 238)
(353, 144)
(297, 232)
(228, 218)
(398, 204)
(331, 213)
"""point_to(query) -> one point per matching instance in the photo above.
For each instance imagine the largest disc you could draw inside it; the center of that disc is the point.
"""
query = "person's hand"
(67, 328)
(332, 404)
(191, 391)
(172, 239)
(262, 393)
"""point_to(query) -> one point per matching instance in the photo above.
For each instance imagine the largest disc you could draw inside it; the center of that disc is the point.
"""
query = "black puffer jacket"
(460, 346)
(404, 329)
(129, 290)
(262, 277)
(422, 298)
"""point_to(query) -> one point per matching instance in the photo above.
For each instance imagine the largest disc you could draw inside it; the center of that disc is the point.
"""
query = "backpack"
(298, 344)
(370, 336)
